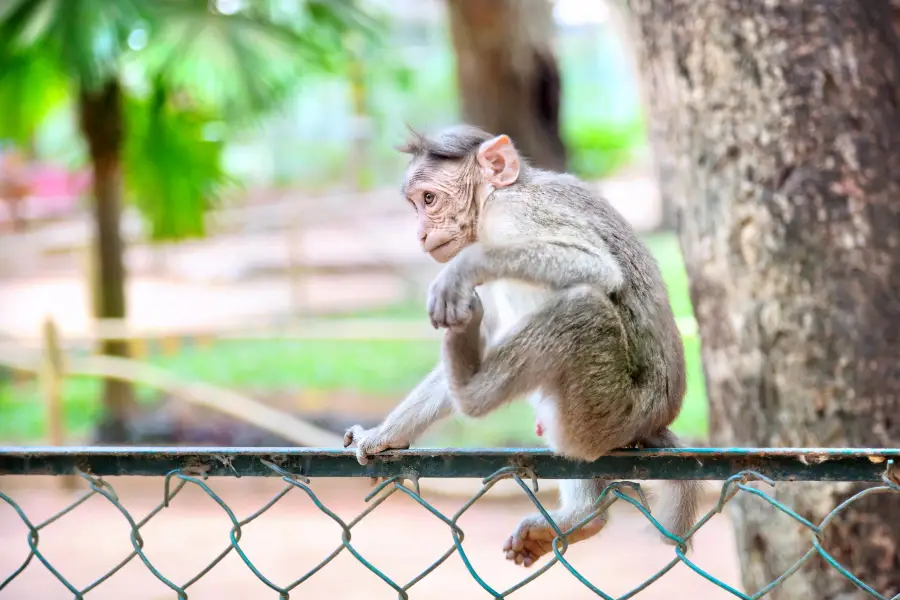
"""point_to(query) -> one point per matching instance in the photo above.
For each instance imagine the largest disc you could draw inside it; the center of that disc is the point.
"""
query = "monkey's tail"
(677, 510)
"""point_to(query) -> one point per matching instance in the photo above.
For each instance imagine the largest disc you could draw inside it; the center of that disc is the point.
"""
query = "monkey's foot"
(534, 537)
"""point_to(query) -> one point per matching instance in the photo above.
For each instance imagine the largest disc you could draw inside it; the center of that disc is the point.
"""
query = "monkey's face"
(443, 195)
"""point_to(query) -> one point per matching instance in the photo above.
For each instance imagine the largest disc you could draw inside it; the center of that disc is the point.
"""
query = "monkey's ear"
(500, 161)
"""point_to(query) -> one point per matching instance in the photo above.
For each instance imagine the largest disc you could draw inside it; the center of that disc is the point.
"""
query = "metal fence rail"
(401, 471)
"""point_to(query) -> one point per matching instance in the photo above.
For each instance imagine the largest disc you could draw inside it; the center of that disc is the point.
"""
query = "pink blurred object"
(56, 189)
(53, 191)
(50, 180)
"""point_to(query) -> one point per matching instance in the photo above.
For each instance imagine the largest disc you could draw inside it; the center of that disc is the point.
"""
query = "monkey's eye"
(429, 198)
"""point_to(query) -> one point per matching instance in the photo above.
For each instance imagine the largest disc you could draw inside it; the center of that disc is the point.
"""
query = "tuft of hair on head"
(453, 142)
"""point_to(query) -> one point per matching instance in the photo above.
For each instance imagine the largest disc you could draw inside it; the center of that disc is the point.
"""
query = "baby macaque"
(576, 317)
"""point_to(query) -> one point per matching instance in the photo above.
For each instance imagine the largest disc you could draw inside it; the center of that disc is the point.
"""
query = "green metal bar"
(780, 464)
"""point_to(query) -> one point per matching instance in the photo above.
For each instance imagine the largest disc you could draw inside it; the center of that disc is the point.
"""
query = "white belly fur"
(508, 302)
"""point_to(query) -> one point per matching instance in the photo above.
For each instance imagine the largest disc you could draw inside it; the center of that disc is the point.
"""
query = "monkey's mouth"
(442, 253)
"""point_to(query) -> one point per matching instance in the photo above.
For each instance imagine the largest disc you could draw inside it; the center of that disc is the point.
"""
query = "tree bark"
(781, 120)
(101, 123)
(895, 14)
(508, 75)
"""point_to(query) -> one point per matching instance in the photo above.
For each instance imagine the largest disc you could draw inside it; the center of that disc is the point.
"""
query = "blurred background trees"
(149, 125)
(267, 127)
(508, 75)
(153, 83)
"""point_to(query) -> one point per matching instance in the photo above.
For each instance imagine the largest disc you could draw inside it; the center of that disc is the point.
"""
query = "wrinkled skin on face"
(444, 195)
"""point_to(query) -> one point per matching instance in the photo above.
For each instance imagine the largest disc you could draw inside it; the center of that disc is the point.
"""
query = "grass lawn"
(380, 368)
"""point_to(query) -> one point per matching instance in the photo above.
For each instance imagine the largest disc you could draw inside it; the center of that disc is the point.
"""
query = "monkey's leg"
(481, 380)
(534, 536)
(479, 384)
(573, 345)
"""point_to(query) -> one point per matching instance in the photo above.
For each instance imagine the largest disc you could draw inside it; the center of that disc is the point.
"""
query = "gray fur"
(456, 142)
(592, 341)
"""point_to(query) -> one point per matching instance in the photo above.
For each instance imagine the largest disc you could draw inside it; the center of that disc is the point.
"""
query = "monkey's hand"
(452, 302)
(370, 442)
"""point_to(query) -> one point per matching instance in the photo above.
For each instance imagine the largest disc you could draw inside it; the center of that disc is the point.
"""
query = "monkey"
(545, 292)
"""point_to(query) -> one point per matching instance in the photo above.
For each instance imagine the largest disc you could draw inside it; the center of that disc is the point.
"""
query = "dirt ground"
(400, 537)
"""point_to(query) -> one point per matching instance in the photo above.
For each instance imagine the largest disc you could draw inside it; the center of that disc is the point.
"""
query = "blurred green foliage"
(597, 149)
(409, 77)
(602, 123)
(185, 68)
(178, 142)
(276, 84)
(194, 79)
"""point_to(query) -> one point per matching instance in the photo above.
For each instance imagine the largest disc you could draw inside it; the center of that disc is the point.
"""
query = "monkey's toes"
(528, 544)
(525, 552)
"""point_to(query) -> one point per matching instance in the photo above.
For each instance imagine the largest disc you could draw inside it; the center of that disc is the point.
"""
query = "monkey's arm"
(427, 403)
(557, 263)
(554, 262)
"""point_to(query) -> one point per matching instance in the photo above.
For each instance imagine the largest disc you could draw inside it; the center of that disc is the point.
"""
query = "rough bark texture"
(780, 121)
(101, 124)
(895, 13)
(507, 73)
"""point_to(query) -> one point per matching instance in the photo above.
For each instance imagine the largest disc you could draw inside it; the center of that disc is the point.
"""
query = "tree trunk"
(783, 122)
(895, 13)
(507, 73)
(101, 124)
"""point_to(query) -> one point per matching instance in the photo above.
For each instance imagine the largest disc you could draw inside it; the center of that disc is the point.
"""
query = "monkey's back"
(557, 206)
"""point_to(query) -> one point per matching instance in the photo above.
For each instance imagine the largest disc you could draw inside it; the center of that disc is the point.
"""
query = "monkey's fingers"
(459, 313)
(361, 456)
(450, 311)
(436, 310)
(476, 307)
(354, 434)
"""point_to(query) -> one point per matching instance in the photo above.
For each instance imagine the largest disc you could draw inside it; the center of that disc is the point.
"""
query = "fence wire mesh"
(397, 475)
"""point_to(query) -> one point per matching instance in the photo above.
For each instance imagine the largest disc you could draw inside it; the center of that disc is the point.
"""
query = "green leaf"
(183, 65)
(246, 63)
(596, 149)
(84, 38)
(173, 170)
(31, 88)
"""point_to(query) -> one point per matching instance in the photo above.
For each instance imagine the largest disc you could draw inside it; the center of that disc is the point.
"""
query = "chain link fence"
(400, 471)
